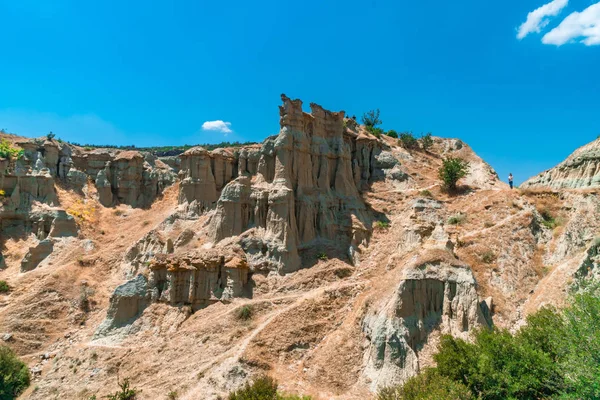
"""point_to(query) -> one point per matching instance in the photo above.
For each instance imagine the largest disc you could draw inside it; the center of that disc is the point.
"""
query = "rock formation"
(436, 293)
(197, 279)
(302, 192)
(36, 255)
(579, 171)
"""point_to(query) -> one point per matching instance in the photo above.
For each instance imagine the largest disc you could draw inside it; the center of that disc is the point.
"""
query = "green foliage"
(14, 374)
(8, 151)
(426, 193)
(172, 395)
(50, 135)
(4, 288)
(456, 219)
(322, 256)
(408, 141)
(426, 141)
(164, 150)
(392, 133)
(262, 388)
(488, 257)
(380, 225)
(555, 355)
(498, 366)
(377, 132)
(126, 392)
(371, 118)
(548, 219)
(429, 385)
(451, 171)
(245, 312)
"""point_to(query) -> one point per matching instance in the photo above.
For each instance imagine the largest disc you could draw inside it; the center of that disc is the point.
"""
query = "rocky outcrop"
(198, 278)
(126, 303)
(435, 293)
(124, 177)
(303, 190)
(579, 171)
(36, 255)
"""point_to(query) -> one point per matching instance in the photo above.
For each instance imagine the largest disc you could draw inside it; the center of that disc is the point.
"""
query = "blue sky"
(152, 73)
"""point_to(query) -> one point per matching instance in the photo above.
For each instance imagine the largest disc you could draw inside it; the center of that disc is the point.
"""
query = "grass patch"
(244, 313)
(456, 219)
(488, 257)
(381, 225)
(262, 388)
(426, 193)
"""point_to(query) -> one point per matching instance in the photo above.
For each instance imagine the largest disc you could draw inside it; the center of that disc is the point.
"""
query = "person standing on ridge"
(510, 180)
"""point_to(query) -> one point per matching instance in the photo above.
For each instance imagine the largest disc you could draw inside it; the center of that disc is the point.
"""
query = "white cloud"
(218, 126)
(538, 18)
(584, 24)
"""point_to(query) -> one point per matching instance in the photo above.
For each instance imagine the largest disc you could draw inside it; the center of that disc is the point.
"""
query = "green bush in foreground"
(451, 171)
(126, 392)
(262, 388)
(556, 355)
(428, 385)
(4, 288)
(14, 375)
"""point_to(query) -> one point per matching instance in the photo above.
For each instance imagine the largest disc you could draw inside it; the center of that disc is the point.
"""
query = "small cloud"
(584, 24)
(538, 18)
(218, 126)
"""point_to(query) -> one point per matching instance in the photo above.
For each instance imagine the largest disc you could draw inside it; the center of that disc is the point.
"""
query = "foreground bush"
(262, 388)
(14, 374)
(428, 385)
(556, 355)
(451, 171)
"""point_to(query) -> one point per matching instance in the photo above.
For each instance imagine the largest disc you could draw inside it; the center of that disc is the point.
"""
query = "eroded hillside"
(326, 257)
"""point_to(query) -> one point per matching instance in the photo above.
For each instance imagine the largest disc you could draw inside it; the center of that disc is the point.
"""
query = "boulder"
(36, 255)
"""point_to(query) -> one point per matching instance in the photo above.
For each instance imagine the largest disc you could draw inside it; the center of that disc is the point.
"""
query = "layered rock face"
(197, 279)
(303, 191)
(124, 177)
(439, 293)
(579, 171)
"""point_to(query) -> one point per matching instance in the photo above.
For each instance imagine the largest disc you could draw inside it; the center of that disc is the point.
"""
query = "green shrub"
(172, 395)
(488, 257)
(426, 141)
(8, 151)
(428, 385)
(380, 225)
(498, 366)
(451, 171)
(371, 118)
(262, 388)
(50, 135)
(4, 288)
(392, 133)
(377, 132)
(126, 392)
(14, 374)
(548, 219)
(408, 141)
(322, 256)
(456, 219)
(245, 312)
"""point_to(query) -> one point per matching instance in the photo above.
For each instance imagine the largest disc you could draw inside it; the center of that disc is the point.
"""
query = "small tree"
(426, 141)
(50, 135)
(371, 119)
(392, 133)
(451, 171)
(408, 141)
(14, 374)
(126, 392)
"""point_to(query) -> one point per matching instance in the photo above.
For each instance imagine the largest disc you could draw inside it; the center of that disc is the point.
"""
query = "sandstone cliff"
(579, 171)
